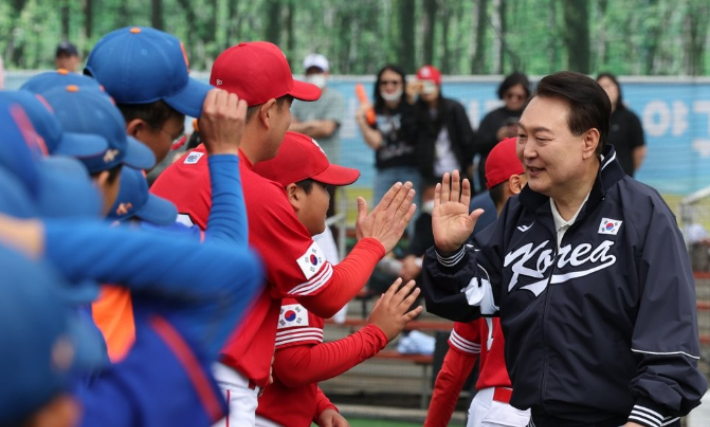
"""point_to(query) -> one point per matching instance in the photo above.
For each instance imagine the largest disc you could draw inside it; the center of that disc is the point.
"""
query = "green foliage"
(641, 37)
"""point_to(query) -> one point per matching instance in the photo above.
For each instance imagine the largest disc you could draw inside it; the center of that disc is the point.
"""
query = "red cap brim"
(304, 91)
(337, 175)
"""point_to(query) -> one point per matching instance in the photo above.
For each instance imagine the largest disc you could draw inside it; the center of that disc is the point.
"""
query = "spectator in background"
(320, 119)
(67, 57)
(625, 133)
(392, 136)
(445, 137)
(501, 123)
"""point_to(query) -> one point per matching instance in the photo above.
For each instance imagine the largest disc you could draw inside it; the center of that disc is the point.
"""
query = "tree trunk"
(156, 14)
(576, 35)
(233, 22)
(446, 60)
(65, 20)
(497, 24)
(552, 51)
(478, 60)
(698, 15)
(601, 42)
(88, 19)
(273, 21)
(406, 24)
(429, 27)
(290, 34)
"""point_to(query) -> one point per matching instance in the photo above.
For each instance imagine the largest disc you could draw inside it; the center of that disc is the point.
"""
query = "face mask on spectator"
(394, 96)
(317, 80)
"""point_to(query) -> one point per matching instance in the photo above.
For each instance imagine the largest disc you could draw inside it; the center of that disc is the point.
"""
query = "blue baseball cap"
(66, 190)
(42, 343)
(91, 112)
(48, 127)
(140, 65)
(20, 146)
(134, 200)
(41, 83)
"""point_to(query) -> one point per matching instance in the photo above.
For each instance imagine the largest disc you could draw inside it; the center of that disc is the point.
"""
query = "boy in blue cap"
(160, 93)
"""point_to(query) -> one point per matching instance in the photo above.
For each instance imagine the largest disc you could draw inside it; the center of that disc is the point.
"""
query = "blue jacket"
(601, 330)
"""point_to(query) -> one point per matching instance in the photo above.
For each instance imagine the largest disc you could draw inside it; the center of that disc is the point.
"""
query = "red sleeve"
(301, 365)
(349, 277)
(452, 376)
(322, 403)
(466, 337)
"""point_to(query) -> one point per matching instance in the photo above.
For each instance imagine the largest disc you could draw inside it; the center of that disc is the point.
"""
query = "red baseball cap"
(258, 72)
(300, 157)
(429, 72)
(502, 163)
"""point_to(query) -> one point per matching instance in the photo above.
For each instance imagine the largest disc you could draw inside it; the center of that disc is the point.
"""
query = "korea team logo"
(609, 226)
(293, 315)
(311, 261)
(193, 158)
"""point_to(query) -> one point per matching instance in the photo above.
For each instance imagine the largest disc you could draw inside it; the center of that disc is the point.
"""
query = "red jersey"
(294, 407)
(477, 337)
(295, 265)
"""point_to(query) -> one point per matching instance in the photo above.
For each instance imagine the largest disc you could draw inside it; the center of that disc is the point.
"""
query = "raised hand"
(390, 217)
(331, 418)
(451, 222)
(222, 122)
(390, 313)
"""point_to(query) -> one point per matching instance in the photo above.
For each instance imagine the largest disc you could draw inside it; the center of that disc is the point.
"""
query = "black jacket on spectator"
(625, 134)
(452, 115)
(486, 137)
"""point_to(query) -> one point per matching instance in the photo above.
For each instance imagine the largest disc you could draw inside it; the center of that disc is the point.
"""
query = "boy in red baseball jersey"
(302, 359)
(504, 178)
(296, 268)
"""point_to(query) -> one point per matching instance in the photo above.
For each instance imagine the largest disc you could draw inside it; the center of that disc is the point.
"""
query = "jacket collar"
(609, 174)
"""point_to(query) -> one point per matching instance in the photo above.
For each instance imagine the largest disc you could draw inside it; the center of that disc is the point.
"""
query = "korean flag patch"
(609, 226)
(193, 158)
(293, 315)
(311, 261)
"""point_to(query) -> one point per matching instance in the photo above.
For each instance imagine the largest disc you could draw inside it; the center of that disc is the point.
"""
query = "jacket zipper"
(545, 363)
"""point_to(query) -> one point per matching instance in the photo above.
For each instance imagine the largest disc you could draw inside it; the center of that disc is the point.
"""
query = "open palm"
(451, 222)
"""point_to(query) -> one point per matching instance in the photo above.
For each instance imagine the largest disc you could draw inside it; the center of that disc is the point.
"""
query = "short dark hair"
(589, 105)
(513, 80)
(620, 100)
(306, 185)
(251, 111)
(155, 114)
(497, 193)
(112, 173)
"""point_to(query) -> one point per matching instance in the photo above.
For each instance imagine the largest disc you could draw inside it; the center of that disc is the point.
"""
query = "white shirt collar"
(560, 223)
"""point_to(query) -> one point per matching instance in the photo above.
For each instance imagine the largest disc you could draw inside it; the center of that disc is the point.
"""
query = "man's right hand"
(450, 220)
(222, 122)
(390, 218)
(390, 313)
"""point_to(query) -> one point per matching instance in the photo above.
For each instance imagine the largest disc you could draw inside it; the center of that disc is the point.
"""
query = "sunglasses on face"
(517, 96)
(390, 82)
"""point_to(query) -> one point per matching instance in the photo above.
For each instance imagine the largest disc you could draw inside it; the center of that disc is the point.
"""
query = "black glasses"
(517, 96)
(390, 82)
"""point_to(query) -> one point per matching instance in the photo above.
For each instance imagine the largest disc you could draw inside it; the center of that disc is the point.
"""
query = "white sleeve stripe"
(452, 260)
(455, 335)
(315, 278)
(304, 335)
(297, 331)
(307, 288)
(643, 420)
(463, 347)
(650, 412)
(302, 339)
(670, 421)
(648, 418)
(666, 353)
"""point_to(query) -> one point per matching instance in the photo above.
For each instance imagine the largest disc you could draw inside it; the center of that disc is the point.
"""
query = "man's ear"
(516, 184)
(136, 126)
(266, 111)
(295, 196)
(591, 142)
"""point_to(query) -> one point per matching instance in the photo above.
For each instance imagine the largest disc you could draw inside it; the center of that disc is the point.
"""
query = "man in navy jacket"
(586, 268)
